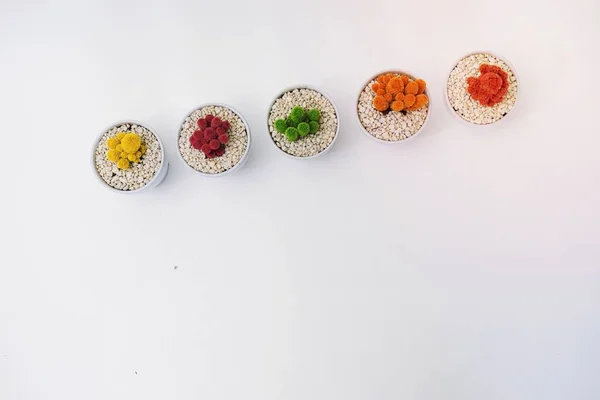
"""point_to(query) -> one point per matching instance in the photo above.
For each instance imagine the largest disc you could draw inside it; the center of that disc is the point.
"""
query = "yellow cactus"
(113, 155)
(123, 163)
(131, 142)
(112, 142)
(125, 148)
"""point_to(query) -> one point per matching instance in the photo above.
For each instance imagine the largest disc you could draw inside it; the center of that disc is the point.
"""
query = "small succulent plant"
(291, 134)
(490, 87)
(303, 129)
(125, 148)
(300, 123)
(298, 115)
(211, 136)
(398, 93)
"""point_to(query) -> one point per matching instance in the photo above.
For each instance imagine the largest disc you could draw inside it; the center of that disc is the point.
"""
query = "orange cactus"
(409, 100)
(384, 79)
(380, 103)
(397, 105)
(422, 85)
(394, 86)
(420, 101)
(411, 88)
(399, 93)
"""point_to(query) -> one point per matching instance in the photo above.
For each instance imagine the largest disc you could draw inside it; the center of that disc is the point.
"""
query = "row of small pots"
(138, 179)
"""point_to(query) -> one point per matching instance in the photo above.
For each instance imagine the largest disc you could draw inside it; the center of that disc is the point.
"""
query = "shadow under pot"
(303, 122)
(214, 140)
(129, 157)
(393, 106)
(482, 89)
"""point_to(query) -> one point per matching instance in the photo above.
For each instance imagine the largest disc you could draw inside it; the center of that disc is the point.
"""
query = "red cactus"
(209, 134)
(214, 144)
(196, 140)
(224, 138)
(196, 144)
(216, 122)
(206, 148)
(197, 134)
(211, 137)
(490, 87)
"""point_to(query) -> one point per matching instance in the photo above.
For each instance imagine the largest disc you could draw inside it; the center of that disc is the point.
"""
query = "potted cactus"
(482, 88)
(303, 122)
(214, 139)
(393, 106)
(129, 157)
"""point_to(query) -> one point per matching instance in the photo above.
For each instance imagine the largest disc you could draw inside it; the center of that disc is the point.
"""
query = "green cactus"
(291, 134)
(281, 125)
(314, 115)
(303, 129)
(299, 123)
(298, 114)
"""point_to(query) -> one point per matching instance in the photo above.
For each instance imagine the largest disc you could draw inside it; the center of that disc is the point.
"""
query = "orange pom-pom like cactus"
(394, 86)
(380, 103)
(409, 100)
(411, 88)
(422, 85)
(400, 93)
(420, 101)
(397, 105)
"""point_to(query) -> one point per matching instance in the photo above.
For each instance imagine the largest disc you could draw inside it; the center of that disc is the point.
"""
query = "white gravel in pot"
(469, 109)
(390, 126)
(138, 175)
(312, 144)
(235, 150)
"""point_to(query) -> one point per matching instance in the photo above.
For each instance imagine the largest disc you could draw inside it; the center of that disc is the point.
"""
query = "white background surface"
(463, 264)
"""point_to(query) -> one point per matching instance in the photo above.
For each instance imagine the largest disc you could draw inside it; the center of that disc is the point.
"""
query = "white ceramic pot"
(391, 141)
(242, 160)
(337, 114)
(447, 99)
(158, 177)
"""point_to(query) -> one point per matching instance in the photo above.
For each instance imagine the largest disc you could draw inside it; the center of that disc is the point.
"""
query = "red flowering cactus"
(211, 136)
(490, 87)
